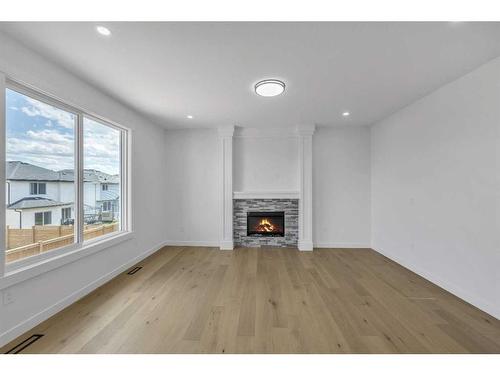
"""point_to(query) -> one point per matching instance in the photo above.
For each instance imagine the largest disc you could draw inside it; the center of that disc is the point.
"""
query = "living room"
(250, 187)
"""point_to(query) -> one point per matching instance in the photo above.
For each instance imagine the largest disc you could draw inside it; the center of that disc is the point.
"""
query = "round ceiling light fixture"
(269, 87)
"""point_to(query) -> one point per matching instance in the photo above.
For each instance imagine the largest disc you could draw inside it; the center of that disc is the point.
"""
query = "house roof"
(17, 170)
(21, 171)
(97, 176)
(90, 175)
(108, 196)
(35, 202)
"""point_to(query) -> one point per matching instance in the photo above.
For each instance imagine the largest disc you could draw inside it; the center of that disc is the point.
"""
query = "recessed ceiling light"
(103, 30)
(346, 114)
(269, 87)
(189, 116)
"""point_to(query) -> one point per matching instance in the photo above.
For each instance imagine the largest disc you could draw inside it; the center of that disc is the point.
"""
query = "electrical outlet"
(8, 297)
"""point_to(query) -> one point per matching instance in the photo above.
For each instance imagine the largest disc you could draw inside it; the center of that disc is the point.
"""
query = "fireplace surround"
(282, 213)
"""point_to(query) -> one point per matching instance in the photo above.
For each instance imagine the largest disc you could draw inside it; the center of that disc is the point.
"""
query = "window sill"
(18, 274)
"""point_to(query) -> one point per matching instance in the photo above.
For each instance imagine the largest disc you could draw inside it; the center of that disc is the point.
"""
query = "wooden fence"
(22, 243)
(20, 237)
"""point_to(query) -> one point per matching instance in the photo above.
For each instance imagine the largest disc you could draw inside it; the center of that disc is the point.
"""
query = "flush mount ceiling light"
(346, 114)
(269, 87)
(189, 116)
(103, 30)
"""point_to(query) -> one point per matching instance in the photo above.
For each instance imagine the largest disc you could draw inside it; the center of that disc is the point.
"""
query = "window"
(40, 139)
(38, 188)
(73, 154)
(43, 218)
(65, 214)
(101, 161)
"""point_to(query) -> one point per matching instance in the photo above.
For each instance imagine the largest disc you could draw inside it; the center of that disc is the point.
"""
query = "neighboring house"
(40, 196)
(30, 211)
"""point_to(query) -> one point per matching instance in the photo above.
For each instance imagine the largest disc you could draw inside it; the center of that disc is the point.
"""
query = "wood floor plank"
(267, 300)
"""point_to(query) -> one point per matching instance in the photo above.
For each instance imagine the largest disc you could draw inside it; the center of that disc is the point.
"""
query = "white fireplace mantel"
(226, 186)
(288, 194)
(305, 133)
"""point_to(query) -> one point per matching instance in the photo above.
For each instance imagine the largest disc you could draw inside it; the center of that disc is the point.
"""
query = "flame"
(265, 226)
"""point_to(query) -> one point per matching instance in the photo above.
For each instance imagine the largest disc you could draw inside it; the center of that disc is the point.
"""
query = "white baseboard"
(193, 243)
(226, 245)
(43, 315)
(305, 245)
(342, 245)
(448, 286)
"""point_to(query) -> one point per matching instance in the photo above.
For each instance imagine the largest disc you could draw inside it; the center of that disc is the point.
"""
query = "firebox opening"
(266, 224)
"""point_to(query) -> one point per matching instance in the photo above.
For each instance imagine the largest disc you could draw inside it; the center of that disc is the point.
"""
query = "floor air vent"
(20, 347)
(133, 270)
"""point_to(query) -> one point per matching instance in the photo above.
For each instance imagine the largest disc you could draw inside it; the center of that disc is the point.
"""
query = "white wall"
(436, 187)
(90, 193)
(36, 298)
(192, 187)
(66, 192)
(341, 187)
(12, 219)
(18, 190)
(265, 164)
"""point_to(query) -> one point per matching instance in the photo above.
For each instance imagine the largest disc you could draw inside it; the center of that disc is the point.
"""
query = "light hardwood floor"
(203, 300)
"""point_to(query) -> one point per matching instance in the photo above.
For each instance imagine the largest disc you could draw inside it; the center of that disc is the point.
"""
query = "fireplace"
(266, 224)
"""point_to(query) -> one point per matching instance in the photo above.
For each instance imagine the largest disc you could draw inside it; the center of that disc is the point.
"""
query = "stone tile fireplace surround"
(290, 207)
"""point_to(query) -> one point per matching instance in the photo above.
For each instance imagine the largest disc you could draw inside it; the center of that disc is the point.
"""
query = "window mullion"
(3, 138)
(79, 180)
(123, 200)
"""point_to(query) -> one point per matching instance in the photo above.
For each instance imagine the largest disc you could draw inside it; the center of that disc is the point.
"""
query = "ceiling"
(167, 71)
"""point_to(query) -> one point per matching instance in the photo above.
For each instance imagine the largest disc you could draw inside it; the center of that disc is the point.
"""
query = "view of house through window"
(101, 163)
(40, 162)
(41, 202)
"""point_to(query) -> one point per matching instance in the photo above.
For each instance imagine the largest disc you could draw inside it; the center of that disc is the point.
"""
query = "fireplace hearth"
(266, 224)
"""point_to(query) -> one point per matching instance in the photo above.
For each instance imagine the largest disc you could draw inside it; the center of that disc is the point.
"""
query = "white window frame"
(32, 266)
(36, 186)
(63, 210)
(43, 217)
(107, 204)
(37, 213)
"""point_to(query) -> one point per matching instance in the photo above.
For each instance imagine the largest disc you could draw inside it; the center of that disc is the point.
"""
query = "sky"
(43, 135)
